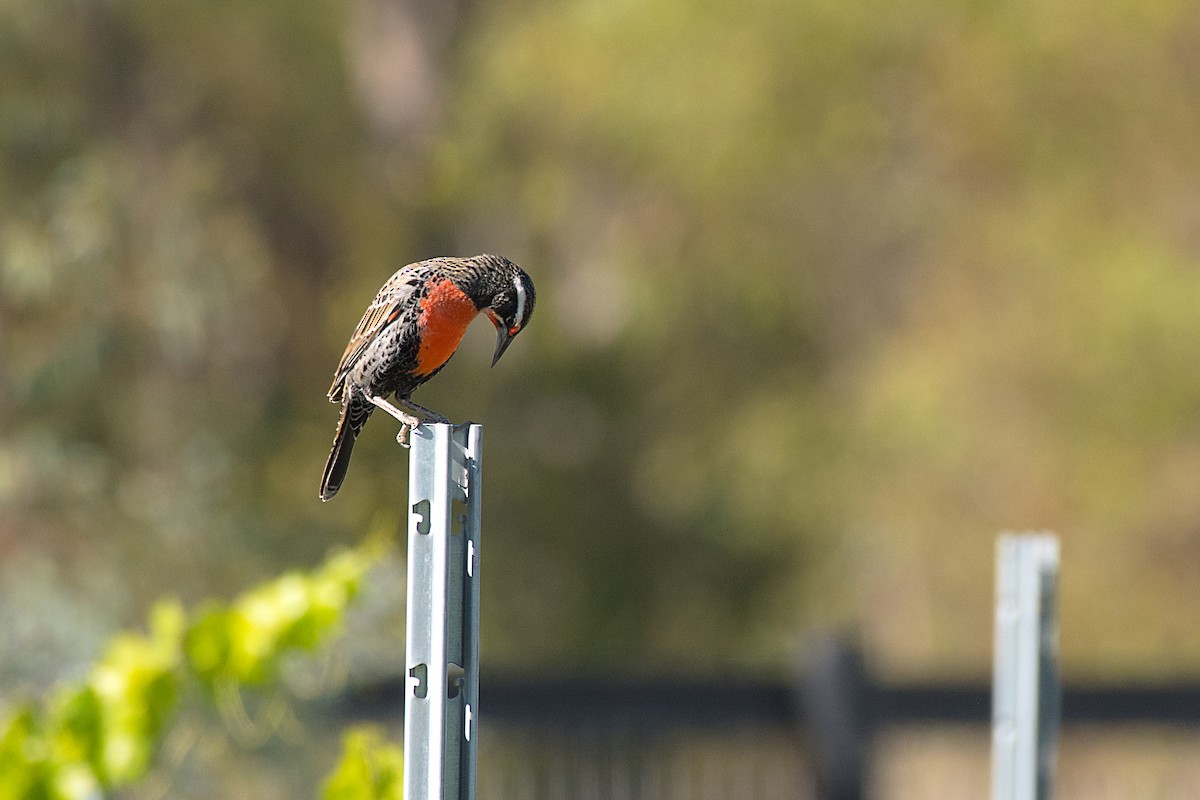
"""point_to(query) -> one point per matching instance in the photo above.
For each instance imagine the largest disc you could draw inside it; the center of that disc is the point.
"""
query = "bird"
(408, 333)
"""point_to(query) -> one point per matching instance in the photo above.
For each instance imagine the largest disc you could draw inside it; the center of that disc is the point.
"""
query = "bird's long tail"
(355, 410)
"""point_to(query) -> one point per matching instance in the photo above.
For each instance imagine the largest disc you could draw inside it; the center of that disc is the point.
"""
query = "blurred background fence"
(822, 734)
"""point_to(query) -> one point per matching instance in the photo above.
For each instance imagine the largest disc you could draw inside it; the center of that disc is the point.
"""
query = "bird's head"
(511, 304)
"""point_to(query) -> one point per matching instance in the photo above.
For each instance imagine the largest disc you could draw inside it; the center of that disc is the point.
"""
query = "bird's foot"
(426, 414)
(407, 421)
(407, 426)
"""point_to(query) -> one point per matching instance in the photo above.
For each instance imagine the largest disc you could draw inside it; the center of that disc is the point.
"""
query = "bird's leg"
(407, 421)
(428, 415)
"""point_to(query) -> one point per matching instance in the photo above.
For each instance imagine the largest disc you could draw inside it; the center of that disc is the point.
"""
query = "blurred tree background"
(829, 294)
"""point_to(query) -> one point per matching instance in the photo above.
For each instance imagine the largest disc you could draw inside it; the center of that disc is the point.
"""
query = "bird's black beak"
(503, 340)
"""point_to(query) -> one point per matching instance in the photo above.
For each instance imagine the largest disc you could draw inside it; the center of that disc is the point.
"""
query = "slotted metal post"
(442, 639)
(1026, 695)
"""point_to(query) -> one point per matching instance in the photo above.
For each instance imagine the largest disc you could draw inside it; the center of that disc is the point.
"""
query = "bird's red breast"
(446, 311)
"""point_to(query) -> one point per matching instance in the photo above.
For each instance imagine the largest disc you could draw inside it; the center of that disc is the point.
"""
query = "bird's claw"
(402, 436)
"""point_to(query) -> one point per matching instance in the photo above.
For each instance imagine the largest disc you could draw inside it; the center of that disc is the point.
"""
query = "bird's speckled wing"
(396, 299)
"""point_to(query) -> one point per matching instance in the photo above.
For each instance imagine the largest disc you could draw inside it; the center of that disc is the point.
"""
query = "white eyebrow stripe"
(519, 285)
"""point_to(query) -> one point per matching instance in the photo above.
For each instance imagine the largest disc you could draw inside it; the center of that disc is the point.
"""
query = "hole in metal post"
(421, 509)
(419, 678)
(455, 677)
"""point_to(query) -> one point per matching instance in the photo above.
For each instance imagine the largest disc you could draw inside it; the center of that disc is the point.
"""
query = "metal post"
(1026, 696)
(442, 651)
(838, 704)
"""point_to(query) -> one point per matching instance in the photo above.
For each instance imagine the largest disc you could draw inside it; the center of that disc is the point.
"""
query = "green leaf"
(24, 757)
(371, 768)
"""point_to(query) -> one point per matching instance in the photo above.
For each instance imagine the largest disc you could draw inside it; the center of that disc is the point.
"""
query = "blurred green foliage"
(104, 733)
(370, 769)
(243, 642)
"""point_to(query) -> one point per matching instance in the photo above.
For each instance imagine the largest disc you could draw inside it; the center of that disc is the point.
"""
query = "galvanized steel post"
(441, 704)
(1026, 695)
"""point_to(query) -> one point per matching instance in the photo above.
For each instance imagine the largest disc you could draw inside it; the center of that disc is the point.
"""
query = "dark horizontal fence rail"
(675, 702)
(643, 703)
